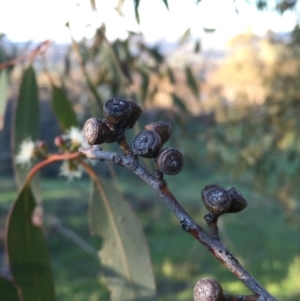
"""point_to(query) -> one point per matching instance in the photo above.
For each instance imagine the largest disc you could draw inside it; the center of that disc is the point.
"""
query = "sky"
(38, 20)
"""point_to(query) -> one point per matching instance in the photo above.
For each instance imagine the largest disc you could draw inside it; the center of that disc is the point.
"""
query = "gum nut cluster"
(218, 200)
(149, 142)
(208, 290)
(120, 114)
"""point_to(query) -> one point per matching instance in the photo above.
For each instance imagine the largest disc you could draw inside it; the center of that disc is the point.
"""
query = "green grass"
(259, 236)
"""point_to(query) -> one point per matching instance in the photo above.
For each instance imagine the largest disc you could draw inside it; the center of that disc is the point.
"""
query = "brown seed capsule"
(216, 199)
(146, 144)
(116, 112)
(162, 128)
(170, 161)
(238, 202)
(208, 290)
(95, 131)
(135, 114)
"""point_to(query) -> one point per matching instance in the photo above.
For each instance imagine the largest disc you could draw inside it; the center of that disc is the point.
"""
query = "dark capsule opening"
(170, 161)
(216, 199)
(117, 111)
(238, 202)
(146, 144)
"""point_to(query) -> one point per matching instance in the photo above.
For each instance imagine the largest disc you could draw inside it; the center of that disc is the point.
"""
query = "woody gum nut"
(162, 128)
(117, 111)
(95, 131)
(208, 290)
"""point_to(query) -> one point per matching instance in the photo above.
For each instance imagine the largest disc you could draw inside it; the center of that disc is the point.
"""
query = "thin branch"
(214, 246)
(40, 49)
(49, 160)
(68, 233)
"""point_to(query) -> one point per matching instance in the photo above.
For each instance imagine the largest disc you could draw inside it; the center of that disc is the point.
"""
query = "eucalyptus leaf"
(93, 5)
(197, 47)
(119, 6)
(209, 30)
(145, 85)
(136, 10)
(192, 82)
(186, 35)
(179, 102)
(27, 250)
(63, 108)
(3, 96)
(171, 75)
(166, 4)
(125, 252)
(8, 290)
(27, 109)
(26, 123)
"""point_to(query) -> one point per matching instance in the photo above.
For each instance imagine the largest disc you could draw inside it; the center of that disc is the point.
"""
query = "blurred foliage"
(258, 132)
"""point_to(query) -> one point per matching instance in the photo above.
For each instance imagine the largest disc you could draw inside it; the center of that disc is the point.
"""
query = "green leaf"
(191, 81)
(166, 4)
(197, 47)
(26, 121)
(136, 10)
(185, 36)
(3, 96)
(27, 250)
(125, 252)
(171, 75)
(27, 109)
(144, 85)
(179, 102)
(209, 30)
(63, 108)
(9, 291)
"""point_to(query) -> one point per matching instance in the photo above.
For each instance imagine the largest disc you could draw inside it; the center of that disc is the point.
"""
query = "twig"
(40, 49)
(82, 244)
(214, 246)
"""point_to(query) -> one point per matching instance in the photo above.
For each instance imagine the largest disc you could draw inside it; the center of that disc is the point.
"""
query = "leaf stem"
(49, 160)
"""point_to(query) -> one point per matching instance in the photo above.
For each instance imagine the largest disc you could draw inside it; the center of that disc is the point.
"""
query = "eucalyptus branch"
(121, 115)
(215, 246)
(40, 49)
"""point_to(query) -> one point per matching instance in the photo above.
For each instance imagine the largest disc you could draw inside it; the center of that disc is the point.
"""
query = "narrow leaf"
(166, 4)
(3, 96)
(119, 6)
(179, 102)
(192, 82)
(145, 84)
(26, 122)
(63, 108)
(125, 252)
(197, 47)
(8, 290)
(171, 75)
(27, 250)
(93, 5)
(209, 30)
(27, 109)
(185, 36)
(136, 10)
